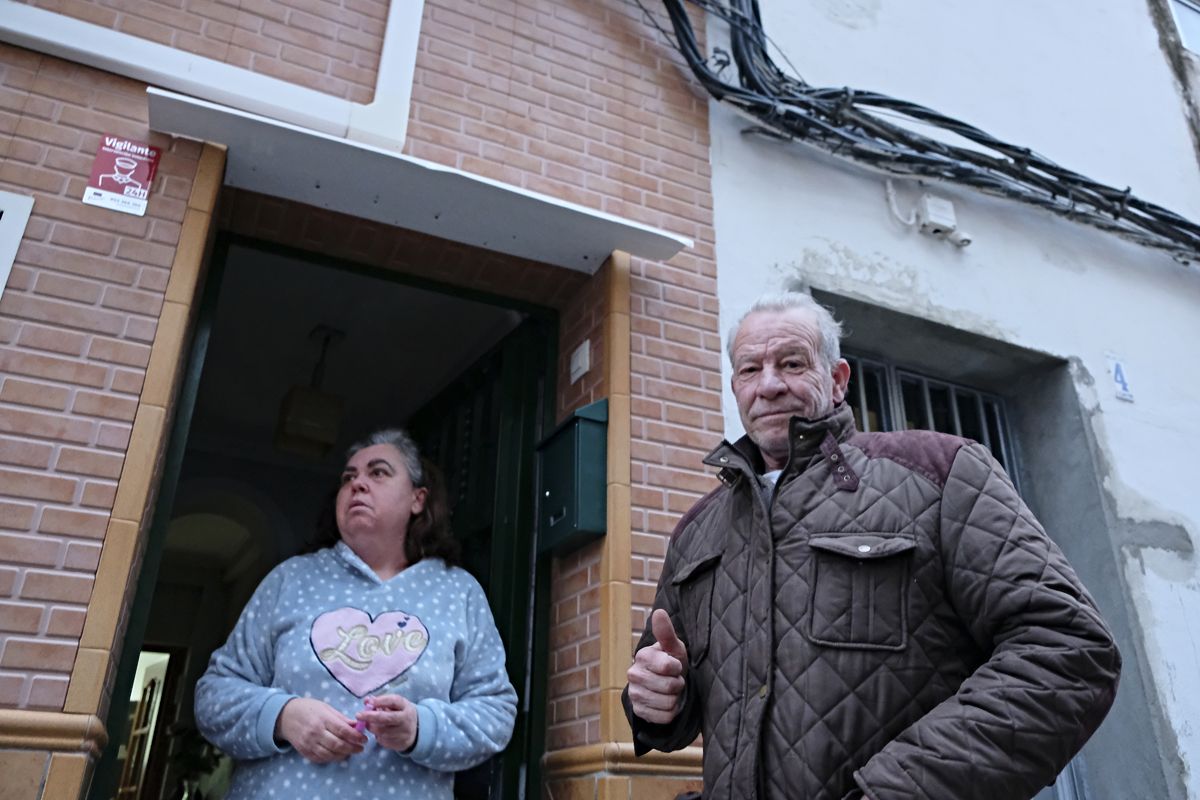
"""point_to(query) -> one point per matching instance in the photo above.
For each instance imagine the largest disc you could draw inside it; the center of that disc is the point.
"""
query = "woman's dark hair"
(429, 534)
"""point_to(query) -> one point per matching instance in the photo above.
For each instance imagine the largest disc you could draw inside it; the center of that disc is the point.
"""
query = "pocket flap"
(863, 545)
(695, 567)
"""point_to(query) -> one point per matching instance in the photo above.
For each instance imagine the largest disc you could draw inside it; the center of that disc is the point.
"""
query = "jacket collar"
(808, 439)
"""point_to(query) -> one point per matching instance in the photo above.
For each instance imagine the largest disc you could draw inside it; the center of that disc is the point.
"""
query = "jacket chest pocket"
(860, 590)
(694, 582)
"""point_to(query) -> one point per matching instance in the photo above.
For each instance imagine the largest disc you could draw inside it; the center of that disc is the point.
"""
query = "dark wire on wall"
(848, 123)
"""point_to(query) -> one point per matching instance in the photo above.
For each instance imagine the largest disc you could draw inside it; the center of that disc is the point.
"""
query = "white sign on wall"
(14, 216)
(1120, 377)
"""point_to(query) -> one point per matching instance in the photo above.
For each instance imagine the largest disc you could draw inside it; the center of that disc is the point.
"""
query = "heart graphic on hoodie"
(364, 654)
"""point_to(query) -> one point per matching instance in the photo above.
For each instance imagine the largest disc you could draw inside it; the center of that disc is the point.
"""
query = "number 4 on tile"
(1120, 378)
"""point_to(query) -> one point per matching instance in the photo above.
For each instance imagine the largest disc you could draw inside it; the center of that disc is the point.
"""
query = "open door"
(481, 431)
(143, 724)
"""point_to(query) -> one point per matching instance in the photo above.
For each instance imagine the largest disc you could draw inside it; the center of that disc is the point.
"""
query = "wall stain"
(1063, 257)
(855, 14)
(1138, 522)
(882, 281)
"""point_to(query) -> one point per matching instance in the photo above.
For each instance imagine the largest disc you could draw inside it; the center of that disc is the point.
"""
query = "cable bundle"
(841, 121)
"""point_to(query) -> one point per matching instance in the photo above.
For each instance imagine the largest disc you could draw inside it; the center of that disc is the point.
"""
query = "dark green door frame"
(526, 413)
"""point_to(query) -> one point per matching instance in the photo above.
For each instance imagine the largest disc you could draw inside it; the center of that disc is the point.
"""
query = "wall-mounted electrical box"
(936, 215)
(572, 481)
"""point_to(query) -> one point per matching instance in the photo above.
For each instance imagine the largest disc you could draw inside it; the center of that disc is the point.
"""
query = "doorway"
(297, 357)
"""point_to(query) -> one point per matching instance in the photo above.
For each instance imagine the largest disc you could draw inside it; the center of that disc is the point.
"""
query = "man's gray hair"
(399, 439)
(830, 328)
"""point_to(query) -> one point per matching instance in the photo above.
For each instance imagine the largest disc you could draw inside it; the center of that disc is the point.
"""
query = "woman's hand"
(392, 720)
(317, 731)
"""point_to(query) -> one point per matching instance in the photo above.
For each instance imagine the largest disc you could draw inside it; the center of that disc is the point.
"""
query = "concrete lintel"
(314, 168)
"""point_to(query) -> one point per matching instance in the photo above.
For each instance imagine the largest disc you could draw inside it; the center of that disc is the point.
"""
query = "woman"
(370, 668)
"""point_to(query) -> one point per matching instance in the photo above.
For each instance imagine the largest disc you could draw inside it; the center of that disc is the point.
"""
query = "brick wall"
(582, 319)
(76, 322)
(583, 100)
(331, 46)
(676, 385)
(573, 710)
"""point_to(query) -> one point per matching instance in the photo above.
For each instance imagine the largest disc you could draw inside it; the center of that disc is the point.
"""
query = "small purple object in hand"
(361, 726)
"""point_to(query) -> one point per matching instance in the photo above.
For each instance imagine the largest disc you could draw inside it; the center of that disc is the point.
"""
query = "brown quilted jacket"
(890, 620)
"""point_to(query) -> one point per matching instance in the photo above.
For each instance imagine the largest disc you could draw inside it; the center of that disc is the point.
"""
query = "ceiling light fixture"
(309, 418)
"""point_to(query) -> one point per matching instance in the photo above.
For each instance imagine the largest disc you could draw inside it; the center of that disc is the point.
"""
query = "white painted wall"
(1088, 88)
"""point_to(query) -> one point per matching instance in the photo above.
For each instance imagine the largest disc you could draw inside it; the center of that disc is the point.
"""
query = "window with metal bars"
(885, 397)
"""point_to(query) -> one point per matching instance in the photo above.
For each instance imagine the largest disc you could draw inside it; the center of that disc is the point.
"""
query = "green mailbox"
(572, 480)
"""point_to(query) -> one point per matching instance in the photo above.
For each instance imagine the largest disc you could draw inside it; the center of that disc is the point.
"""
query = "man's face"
(778, 373)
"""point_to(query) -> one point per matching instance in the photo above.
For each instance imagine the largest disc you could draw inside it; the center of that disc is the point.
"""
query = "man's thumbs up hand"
(656, 678)
(664, 634)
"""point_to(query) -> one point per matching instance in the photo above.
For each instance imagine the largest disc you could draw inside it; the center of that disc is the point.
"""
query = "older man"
(862, 615)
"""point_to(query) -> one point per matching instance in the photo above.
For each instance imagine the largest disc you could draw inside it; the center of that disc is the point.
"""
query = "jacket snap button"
(724, 460)
(833, 457)
(841, 469)
(846, 478)
(864, 548)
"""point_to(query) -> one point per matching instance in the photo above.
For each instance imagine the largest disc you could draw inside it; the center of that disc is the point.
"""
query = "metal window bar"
(987, 437)
(893, 413)
(955, 417)
(930, 423)
(879, 373)
(864, 414)
(993, 422)
(1003, 450)
(868, 394)
(919, 413)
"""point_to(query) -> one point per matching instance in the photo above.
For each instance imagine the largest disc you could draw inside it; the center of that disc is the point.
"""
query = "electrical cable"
(856, 125)
(890, 191)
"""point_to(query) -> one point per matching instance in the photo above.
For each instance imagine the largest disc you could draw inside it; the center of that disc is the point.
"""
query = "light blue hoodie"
(325, 626)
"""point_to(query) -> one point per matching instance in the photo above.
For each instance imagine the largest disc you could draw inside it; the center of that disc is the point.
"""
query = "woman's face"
(376, 496)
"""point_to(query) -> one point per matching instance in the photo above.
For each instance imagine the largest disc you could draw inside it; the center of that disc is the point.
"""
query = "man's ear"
(841, 379)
